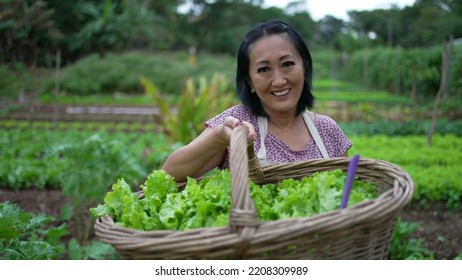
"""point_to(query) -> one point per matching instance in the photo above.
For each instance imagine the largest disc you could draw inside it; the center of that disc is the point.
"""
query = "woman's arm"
(205, 152)
(202, 154)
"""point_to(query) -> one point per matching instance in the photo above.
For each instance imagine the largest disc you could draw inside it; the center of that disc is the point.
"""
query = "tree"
(304, 24)
(431, 21)
(27, 32)
(328, 29)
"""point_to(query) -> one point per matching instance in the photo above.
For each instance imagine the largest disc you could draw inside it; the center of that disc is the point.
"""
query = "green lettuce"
(207, 202)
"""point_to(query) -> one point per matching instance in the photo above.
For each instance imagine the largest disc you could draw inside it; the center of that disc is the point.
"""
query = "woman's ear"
(249, 82)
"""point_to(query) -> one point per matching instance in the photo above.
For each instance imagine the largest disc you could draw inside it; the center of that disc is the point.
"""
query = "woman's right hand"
(205, 152)
(226, 129)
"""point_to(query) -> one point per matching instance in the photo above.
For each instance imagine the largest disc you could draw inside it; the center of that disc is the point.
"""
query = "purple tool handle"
(349, 181)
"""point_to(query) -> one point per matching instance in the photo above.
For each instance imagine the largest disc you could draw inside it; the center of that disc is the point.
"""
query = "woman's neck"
(290, 130)
(284, 123)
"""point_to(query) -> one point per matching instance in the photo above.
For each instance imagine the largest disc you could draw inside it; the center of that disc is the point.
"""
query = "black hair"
(243, 77)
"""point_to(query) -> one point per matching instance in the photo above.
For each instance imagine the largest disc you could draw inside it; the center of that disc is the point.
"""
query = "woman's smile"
(281, 93)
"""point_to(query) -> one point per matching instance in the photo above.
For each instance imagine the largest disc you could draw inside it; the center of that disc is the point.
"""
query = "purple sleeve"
(335, 140)
(240, 112)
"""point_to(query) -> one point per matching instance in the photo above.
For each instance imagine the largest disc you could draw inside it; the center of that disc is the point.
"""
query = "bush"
(397, 70)
(93, 75)
(14, 79)
(198, 101)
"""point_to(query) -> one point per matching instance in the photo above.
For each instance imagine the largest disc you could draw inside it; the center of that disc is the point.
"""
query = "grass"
(337, 90)
(79, 125)
(380, 97)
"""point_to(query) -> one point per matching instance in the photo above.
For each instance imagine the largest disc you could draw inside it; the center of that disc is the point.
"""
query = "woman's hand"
(226, 129)
(205, 152)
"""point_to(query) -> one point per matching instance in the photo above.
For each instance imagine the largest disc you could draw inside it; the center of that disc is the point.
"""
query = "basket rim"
(388, 198)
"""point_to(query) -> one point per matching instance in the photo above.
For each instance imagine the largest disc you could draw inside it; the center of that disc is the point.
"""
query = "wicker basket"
(362, 231)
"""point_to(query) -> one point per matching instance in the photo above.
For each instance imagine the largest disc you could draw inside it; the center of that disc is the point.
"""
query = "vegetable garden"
(56, 165)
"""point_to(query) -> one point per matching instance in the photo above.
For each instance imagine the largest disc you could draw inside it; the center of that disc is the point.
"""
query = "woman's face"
(276, 73)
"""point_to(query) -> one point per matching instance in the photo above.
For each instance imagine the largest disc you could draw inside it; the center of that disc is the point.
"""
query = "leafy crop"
(96, 250)
(435, 170)
(24, 236)
(207, 202)
(414, 128)
(54, 156)
(28, 236)
(83, 184)
(403, 247)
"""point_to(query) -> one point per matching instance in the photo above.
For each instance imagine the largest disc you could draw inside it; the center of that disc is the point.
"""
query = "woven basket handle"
(255, 170)
(243, 216)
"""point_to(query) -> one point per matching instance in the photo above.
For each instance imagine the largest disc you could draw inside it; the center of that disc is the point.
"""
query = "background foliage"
(396, 49)
(381, 67)
(32, 30)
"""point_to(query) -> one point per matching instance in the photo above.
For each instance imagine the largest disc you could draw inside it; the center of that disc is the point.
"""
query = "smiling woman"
(273, 81)
(276, 68)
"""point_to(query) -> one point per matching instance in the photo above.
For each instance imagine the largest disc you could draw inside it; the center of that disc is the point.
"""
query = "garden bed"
(438, 228)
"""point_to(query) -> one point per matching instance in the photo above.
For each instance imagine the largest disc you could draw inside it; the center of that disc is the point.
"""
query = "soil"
(439, 229)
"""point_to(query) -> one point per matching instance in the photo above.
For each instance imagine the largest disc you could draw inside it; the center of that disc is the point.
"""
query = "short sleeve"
(335, 140)
(239, 112)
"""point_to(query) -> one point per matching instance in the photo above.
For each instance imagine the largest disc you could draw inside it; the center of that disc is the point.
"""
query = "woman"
(274, 73)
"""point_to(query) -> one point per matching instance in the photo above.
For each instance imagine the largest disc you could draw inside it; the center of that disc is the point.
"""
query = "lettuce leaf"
(207, 202)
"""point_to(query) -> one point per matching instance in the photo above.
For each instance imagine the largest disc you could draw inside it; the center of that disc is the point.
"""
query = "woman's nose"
(279, 78)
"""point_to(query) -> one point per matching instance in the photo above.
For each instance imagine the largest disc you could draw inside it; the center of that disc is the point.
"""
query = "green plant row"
(79, 125)
(380, 97)
(326, 90)
(96, 99)
(84, 156)
(401, 128)
(58, 156)
(435, 170)
(392, 128)
(82, 164)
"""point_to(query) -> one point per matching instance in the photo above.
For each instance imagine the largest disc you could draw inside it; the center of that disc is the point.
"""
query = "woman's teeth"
(280, 93)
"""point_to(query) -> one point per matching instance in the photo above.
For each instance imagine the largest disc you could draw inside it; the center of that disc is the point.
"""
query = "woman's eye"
(262, 69)
(288, 63)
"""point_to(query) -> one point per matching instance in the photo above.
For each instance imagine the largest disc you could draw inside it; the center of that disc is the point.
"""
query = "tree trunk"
(414, 89)
(448, 74)
(366, 68)
(57, 87)
(441, 90)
